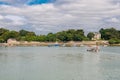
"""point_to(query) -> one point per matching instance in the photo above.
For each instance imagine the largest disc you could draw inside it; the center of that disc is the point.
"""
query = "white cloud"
(114, 20)
(1, 17)
(63, 14)
(14, 18)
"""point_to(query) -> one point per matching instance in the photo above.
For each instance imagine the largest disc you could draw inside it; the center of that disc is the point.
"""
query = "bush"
(114, 41)
(1, 40)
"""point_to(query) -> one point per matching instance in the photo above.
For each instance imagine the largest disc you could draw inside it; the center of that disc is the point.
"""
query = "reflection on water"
(72, 63)
(86, 64)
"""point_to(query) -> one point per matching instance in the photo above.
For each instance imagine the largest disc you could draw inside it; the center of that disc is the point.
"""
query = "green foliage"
(5, 36)
(26, 33)
(30, 38)
(90, 35)
(1, 40)
(62, 36)
(114, 41)
(41, 38)
(71, 35)
(2, 31)
(10, 34)
(23, 32)
(109, 33)
(23, 35)
(13, 34)
(51, 37)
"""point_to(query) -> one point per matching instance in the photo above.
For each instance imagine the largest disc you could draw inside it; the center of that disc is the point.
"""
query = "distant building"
(12, 42)
(97, 36)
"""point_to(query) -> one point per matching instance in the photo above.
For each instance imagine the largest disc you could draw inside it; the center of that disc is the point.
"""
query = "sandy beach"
(66, 44)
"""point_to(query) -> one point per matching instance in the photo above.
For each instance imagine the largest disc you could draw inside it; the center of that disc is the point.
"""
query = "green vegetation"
(71, 35)
(114, 41)
(90, 35)
(23, 35)
(110, 34)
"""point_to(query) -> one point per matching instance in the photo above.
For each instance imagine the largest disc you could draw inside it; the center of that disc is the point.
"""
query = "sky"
(44, 16)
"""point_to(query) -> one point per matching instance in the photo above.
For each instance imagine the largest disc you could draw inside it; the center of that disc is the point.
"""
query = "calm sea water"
(59, 63)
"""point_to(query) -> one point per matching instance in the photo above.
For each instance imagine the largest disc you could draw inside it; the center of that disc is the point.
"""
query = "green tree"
(51, 37)
(2, 31)
(41, 38)
(109, 33)
(5, 36)
(71, 35)
(90, 35)
(1, 40)
(10, 34)
(31, 34)
(13, 34)
(61, 36)
(23, 32)
(26, 33)
(114, 41)
(80, 32)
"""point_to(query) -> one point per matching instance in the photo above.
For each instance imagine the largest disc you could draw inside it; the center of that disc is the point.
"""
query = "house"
(12, 42)
(97, 36)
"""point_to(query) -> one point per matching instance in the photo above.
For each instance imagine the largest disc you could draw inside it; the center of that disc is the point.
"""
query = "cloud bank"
(58, 15)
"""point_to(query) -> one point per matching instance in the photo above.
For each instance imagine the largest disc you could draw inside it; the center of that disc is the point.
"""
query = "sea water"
(59, 63)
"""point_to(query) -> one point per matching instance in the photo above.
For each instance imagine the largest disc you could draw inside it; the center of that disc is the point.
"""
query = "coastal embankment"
(62, 44)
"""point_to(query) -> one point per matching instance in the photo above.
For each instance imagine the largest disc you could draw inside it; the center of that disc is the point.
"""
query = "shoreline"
(62, 44)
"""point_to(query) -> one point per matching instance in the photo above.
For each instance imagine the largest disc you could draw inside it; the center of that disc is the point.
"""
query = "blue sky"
(43, 16)
(36, 2)
(28, 2)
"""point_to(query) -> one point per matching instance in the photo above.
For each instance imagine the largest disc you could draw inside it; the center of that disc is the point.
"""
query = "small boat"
(93, 49)
(54, 45)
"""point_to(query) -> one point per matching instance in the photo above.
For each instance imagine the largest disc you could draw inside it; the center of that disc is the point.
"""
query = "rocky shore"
(63, 44)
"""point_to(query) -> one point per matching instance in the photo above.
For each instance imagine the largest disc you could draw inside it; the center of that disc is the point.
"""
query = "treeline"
(24, 35)
(110, 34)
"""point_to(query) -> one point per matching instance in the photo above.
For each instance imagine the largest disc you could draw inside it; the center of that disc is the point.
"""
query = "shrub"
(114, 41)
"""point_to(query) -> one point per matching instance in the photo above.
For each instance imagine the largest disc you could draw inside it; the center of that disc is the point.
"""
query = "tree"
(80, 32)
(23, 32)
(61, 36)
(5, 36)
(30, 34)
(10, 34)
(109, 33)
(71, 35)
(114, 41)
(90, 35)
(1, 40)
(13, 34)
(41, 38)
(2, 31)
(26, 33)
(51, 37)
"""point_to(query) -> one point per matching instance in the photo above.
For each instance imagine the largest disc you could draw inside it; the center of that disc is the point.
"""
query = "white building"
(97, 36)
(12, 42)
